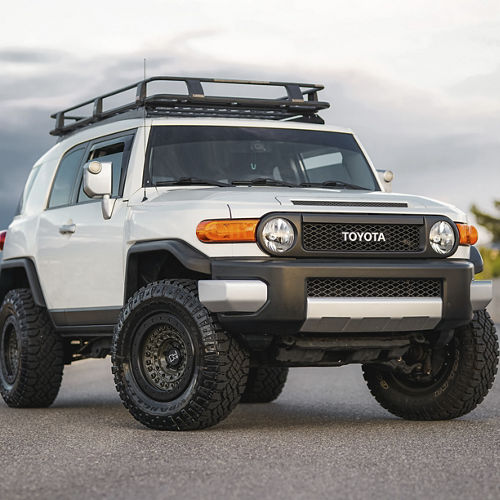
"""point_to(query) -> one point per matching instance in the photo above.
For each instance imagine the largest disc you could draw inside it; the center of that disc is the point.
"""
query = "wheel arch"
(150, 261)
(20, 273)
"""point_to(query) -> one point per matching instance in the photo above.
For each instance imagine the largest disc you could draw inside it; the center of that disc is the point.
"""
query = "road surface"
(325, 437)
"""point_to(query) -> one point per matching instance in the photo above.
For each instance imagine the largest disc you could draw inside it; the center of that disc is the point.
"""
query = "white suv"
(210, 243)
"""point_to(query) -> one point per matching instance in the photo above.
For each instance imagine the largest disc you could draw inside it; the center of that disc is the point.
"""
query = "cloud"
(485, 86)
(28, 56)
(438, 144)
(19, 151)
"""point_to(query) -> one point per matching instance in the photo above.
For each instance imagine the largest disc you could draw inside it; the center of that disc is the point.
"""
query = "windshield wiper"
(263, 181)
(191, 181)
(333, 184)
(259, 181)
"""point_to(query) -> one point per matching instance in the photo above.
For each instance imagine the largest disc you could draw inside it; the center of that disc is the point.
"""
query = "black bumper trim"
(286, 308)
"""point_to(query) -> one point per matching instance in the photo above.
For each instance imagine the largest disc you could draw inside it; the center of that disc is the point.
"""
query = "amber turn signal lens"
(468, 234)
(227, 230)
(3, 234)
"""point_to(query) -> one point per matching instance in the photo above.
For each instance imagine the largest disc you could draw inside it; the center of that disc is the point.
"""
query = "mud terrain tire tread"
(222, 378)
(478, 346)
(41, 353)
(264, 384)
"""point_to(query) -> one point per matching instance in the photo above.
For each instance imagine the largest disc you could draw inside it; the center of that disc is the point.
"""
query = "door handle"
(67, 228)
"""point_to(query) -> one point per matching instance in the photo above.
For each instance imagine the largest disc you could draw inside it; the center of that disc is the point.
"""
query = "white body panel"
(86, 269)
(166, 206)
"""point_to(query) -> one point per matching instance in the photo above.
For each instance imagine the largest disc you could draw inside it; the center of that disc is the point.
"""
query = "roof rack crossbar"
(301, 100)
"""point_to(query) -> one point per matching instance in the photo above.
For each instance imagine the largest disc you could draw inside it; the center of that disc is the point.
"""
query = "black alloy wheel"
(163, 356)
(443, 362)
(453, 381)
(9, 350)
(174, 366)
(31, 353)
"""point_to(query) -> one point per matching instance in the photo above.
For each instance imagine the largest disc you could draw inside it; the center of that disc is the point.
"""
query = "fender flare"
(476, 259)
(8, 281)
(188, 256)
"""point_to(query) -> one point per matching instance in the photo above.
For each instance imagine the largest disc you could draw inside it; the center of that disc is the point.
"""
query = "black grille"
(365, 287)
(328, 237)
(319, 203)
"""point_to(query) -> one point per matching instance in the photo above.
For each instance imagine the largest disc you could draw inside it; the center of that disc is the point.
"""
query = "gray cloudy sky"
(418, 81)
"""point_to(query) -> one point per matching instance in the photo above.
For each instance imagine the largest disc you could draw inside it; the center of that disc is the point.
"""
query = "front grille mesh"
(367, 287)
(320, 236)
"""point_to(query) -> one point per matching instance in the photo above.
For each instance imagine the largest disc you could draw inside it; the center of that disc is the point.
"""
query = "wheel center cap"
(173, 357)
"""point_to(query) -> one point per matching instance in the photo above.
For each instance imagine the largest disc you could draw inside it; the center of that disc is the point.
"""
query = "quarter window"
(66, 175)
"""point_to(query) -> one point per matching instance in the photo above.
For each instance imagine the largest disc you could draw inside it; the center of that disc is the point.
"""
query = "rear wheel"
(31, 353)
(174, 366)
(457, 378)
(264, 384)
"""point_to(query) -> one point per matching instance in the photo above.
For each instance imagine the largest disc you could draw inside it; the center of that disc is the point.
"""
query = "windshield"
(253, 155)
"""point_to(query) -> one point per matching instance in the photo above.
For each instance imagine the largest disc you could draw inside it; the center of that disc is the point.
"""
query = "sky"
(419, 82)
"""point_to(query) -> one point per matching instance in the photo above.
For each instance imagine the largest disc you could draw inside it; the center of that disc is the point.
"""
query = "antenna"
(144, 130)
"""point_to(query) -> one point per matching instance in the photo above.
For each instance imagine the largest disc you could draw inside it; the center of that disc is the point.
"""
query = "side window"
(117, 152)
(66, 176)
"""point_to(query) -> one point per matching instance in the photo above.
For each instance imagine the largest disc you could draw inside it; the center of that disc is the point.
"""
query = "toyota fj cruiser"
(210, 242)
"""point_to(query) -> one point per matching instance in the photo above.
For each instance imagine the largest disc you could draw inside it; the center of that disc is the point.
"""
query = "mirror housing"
(97, 179)
(385, 178)
(98, 182)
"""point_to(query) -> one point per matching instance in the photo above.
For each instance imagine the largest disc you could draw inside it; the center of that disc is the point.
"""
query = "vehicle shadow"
(278, 416)
(284, 415)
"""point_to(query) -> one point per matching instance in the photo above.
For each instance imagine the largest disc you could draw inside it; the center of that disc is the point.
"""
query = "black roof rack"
(299, 104)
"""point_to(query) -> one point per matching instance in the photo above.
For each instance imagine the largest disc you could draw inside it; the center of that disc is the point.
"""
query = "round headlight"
(442, 237)
(278, 235)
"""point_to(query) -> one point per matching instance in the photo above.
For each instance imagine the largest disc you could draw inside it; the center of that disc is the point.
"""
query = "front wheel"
(174, 367)
(458, 377)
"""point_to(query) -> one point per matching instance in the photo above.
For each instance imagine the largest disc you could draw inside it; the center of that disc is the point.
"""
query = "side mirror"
(98, 183)
(386, 177)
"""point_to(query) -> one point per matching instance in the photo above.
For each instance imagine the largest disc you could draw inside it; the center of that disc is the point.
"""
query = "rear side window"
(66, 175)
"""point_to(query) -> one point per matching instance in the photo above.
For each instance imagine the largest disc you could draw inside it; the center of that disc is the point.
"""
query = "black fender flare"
(20, 273)
(476, 259)
(188, 256)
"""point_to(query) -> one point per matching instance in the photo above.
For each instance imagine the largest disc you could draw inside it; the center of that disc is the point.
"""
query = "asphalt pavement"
(325, 437)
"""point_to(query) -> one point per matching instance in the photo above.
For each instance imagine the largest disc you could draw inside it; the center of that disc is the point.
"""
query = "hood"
(253, 201)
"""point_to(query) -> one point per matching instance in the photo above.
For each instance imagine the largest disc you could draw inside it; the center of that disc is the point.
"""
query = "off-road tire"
(220, 366)
(264, 384)
(37, 379)
(467, 383)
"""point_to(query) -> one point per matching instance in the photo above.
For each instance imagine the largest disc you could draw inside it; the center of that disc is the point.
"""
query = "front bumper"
(279, 297)
(372, 314)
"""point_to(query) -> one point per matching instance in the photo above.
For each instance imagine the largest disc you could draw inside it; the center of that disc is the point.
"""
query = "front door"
(80, 255)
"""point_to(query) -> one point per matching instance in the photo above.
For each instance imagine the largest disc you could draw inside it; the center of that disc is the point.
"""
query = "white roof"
(88, 133)
(239, 122)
